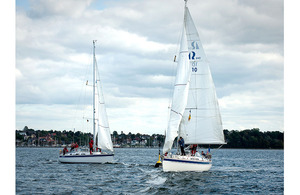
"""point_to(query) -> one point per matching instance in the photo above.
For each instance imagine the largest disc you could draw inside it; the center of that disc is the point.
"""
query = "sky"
(136, 44)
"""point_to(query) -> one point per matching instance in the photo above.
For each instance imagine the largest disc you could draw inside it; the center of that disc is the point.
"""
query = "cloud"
(136, 44)
(260, 105)
(72, 8)
(239, 22)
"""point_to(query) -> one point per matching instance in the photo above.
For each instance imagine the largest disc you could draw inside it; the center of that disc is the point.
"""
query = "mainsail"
(195, 114)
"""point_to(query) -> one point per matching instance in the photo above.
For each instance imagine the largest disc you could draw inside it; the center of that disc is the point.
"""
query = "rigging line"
(87, 102)
(206, 88)
(103, 126)
(176, 112)
(179, 35)
(180, 84)
(218, 148)
(184, 51)
(80, 100)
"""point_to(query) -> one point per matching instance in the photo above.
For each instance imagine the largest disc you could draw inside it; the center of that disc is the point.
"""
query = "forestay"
(180, 93)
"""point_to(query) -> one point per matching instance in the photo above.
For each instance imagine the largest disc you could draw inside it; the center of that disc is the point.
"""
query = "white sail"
(201, 121)
(101, 120)
(180, 93)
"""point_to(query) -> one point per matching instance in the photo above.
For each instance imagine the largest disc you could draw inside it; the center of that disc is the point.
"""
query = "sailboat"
(194, 113)
(100, 124)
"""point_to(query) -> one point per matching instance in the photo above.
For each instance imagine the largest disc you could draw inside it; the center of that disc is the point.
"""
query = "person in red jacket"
(65, 150)
(76, 146)
(91, 146)
(193, 149)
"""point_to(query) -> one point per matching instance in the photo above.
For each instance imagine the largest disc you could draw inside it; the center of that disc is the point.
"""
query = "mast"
(94, 93)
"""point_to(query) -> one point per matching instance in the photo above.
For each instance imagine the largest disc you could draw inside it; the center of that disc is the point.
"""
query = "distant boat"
(100, 122)
(194, 113)
(117, 146)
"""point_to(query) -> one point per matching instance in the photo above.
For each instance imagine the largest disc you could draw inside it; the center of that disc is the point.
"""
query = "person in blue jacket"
(181, 143)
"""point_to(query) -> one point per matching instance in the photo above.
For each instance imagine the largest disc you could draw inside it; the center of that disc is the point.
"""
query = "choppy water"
(234, 172)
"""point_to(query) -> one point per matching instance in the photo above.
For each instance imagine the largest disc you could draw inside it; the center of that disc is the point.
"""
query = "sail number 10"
(194, 66)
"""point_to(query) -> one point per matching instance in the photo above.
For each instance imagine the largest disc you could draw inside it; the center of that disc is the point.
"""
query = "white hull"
(96, 157)
(186, 163)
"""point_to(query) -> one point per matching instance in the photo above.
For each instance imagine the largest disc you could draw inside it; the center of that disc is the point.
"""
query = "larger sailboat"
(100, 126)
(194, 113)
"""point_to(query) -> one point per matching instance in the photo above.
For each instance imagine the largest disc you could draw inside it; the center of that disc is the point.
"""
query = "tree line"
(249, 138)
(254, 138)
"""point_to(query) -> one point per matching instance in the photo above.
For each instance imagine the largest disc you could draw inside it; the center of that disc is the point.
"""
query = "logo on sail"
(194, 46)
(192, 54)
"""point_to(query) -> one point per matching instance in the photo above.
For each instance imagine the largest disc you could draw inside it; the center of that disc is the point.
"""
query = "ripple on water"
(133, 172)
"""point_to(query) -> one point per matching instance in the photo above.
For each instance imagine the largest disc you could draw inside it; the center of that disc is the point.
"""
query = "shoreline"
(156, 148)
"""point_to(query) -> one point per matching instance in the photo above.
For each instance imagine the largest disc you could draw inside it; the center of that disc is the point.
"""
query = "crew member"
(181, 143)
(65, 150)
(91, 146)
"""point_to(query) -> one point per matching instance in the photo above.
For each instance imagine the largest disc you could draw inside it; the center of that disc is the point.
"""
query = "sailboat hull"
(184, 163)
(86, 158)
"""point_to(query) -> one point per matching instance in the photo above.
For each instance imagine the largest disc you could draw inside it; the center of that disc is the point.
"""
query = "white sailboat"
(100, 124)
(194, 113)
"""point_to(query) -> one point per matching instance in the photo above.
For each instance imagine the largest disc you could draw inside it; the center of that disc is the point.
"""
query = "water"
(132, 172)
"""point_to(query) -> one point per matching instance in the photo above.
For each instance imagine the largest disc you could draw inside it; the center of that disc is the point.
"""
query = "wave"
(132, 164)
(157, 180)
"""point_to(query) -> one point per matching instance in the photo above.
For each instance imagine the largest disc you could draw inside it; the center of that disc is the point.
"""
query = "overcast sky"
(136, 44)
